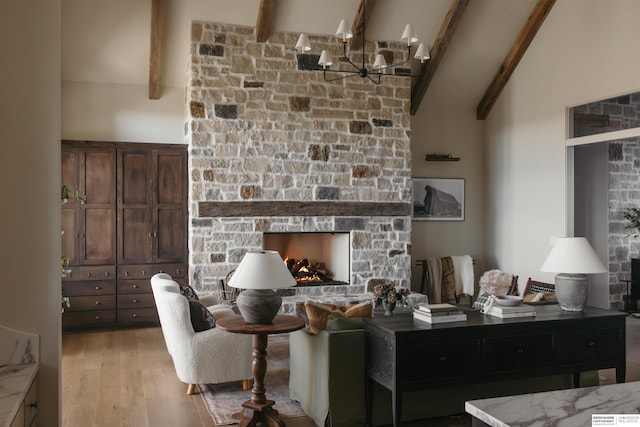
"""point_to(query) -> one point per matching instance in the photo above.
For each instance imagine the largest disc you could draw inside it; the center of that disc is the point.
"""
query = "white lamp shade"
(422, 53)
(303, 44)
(380, 62)
(343, 31)
(262, 270)
(573, 255)
(408, 35)
(325, 59)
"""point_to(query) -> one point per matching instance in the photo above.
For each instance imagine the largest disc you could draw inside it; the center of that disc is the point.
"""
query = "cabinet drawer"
(99, 287)
(135, 271)
(579, 346)
(136, 300)
(31, 403)
(92, 302)
(84, 319)
(519, 352)
(174, 270)
(134, 286)
(94, 272)
(138, 315)
(435, 360)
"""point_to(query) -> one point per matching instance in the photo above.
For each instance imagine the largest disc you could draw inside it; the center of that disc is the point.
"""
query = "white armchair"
(212, 356)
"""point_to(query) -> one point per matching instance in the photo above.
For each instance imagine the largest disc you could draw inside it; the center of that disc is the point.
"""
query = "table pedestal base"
(258, 414)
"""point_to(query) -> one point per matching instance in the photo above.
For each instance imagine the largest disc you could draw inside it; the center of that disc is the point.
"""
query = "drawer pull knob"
(520, 350)
(177, 272)
(591, 344)
(106, 274)
(143, 272)
(135, 286)
(89, 274)
(135, 300)
(33, 405)
(97, 317)
(97, 302)
(126, 273)
(97, 288)
(443, 359)
(135, 315)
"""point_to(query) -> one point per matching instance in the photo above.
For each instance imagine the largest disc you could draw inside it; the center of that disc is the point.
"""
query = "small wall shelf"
(441, 158)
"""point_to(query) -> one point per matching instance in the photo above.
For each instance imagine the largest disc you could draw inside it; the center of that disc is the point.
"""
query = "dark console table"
(404, 354)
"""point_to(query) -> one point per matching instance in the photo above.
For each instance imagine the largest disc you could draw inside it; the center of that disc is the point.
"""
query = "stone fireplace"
(276, 149)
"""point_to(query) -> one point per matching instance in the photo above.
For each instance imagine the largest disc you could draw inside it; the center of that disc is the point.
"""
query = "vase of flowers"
(389, 296)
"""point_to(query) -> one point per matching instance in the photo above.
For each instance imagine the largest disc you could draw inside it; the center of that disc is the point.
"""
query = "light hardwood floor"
(126, 378)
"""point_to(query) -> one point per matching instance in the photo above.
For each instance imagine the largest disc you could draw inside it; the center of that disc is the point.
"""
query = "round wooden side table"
(259, 409)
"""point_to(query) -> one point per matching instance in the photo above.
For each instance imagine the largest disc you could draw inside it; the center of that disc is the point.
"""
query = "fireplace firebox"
(314, 258)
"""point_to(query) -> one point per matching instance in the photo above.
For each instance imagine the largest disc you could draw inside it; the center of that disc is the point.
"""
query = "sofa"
(210, 356)
(328, 379)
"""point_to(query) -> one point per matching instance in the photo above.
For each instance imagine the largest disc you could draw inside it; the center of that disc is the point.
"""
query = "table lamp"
(259, 273)
(573, 258)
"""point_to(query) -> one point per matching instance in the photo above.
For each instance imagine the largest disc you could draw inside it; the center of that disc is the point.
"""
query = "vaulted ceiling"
(475, 45)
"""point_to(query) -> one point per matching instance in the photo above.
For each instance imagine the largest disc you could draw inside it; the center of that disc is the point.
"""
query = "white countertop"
(18, 368)
(561, 408)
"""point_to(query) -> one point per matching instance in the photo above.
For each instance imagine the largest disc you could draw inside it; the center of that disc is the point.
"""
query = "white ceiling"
(108, 41)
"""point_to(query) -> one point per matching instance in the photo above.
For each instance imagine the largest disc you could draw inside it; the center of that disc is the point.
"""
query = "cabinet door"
(98, 185)
(70, 216)
(89, 229)
(169, 207)
(134, 211)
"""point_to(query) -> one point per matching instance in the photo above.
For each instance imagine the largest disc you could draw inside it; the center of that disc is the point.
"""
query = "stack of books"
(439, 313)
(520, 310)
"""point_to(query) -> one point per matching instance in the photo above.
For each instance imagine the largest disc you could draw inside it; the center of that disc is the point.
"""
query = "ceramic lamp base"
(258, 305)
(572, 291)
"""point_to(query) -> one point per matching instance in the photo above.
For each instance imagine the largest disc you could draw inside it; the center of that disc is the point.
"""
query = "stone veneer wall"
(624, 193)
(263, 127)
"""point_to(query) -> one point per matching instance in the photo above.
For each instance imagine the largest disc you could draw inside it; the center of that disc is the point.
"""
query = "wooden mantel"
(311, 208)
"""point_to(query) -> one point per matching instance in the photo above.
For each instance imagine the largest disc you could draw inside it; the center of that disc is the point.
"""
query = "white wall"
(584, 51)
(117, 112)
(30, 175)
(443, 130)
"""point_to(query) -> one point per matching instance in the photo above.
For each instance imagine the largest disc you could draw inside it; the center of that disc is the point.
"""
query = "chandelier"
(379, 66)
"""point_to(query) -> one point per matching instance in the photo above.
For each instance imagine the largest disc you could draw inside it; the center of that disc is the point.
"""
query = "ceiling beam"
(447, 30)
(363, 16)
(263, 23)
(518, 49)
(158, 8)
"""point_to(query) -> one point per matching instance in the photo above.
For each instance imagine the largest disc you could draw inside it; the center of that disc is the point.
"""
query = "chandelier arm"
(350, 74)
(374, 81)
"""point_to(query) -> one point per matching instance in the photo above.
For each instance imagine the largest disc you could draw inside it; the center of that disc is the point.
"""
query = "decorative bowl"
(508, 300)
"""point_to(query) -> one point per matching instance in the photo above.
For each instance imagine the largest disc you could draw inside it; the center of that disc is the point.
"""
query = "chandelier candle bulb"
(380, 62)
(343, 31)
(303, 44)
(422, 53)
(409, 35)
(325, 60)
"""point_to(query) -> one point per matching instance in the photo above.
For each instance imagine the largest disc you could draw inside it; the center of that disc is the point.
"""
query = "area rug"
(224, 400)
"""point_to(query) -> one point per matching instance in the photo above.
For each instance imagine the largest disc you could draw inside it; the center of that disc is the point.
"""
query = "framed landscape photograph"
(438, 199)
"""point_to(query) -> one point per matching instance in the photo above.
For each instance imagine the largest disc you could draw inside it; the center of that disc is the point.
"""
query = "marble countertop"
(561, 408)
(18, 368)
